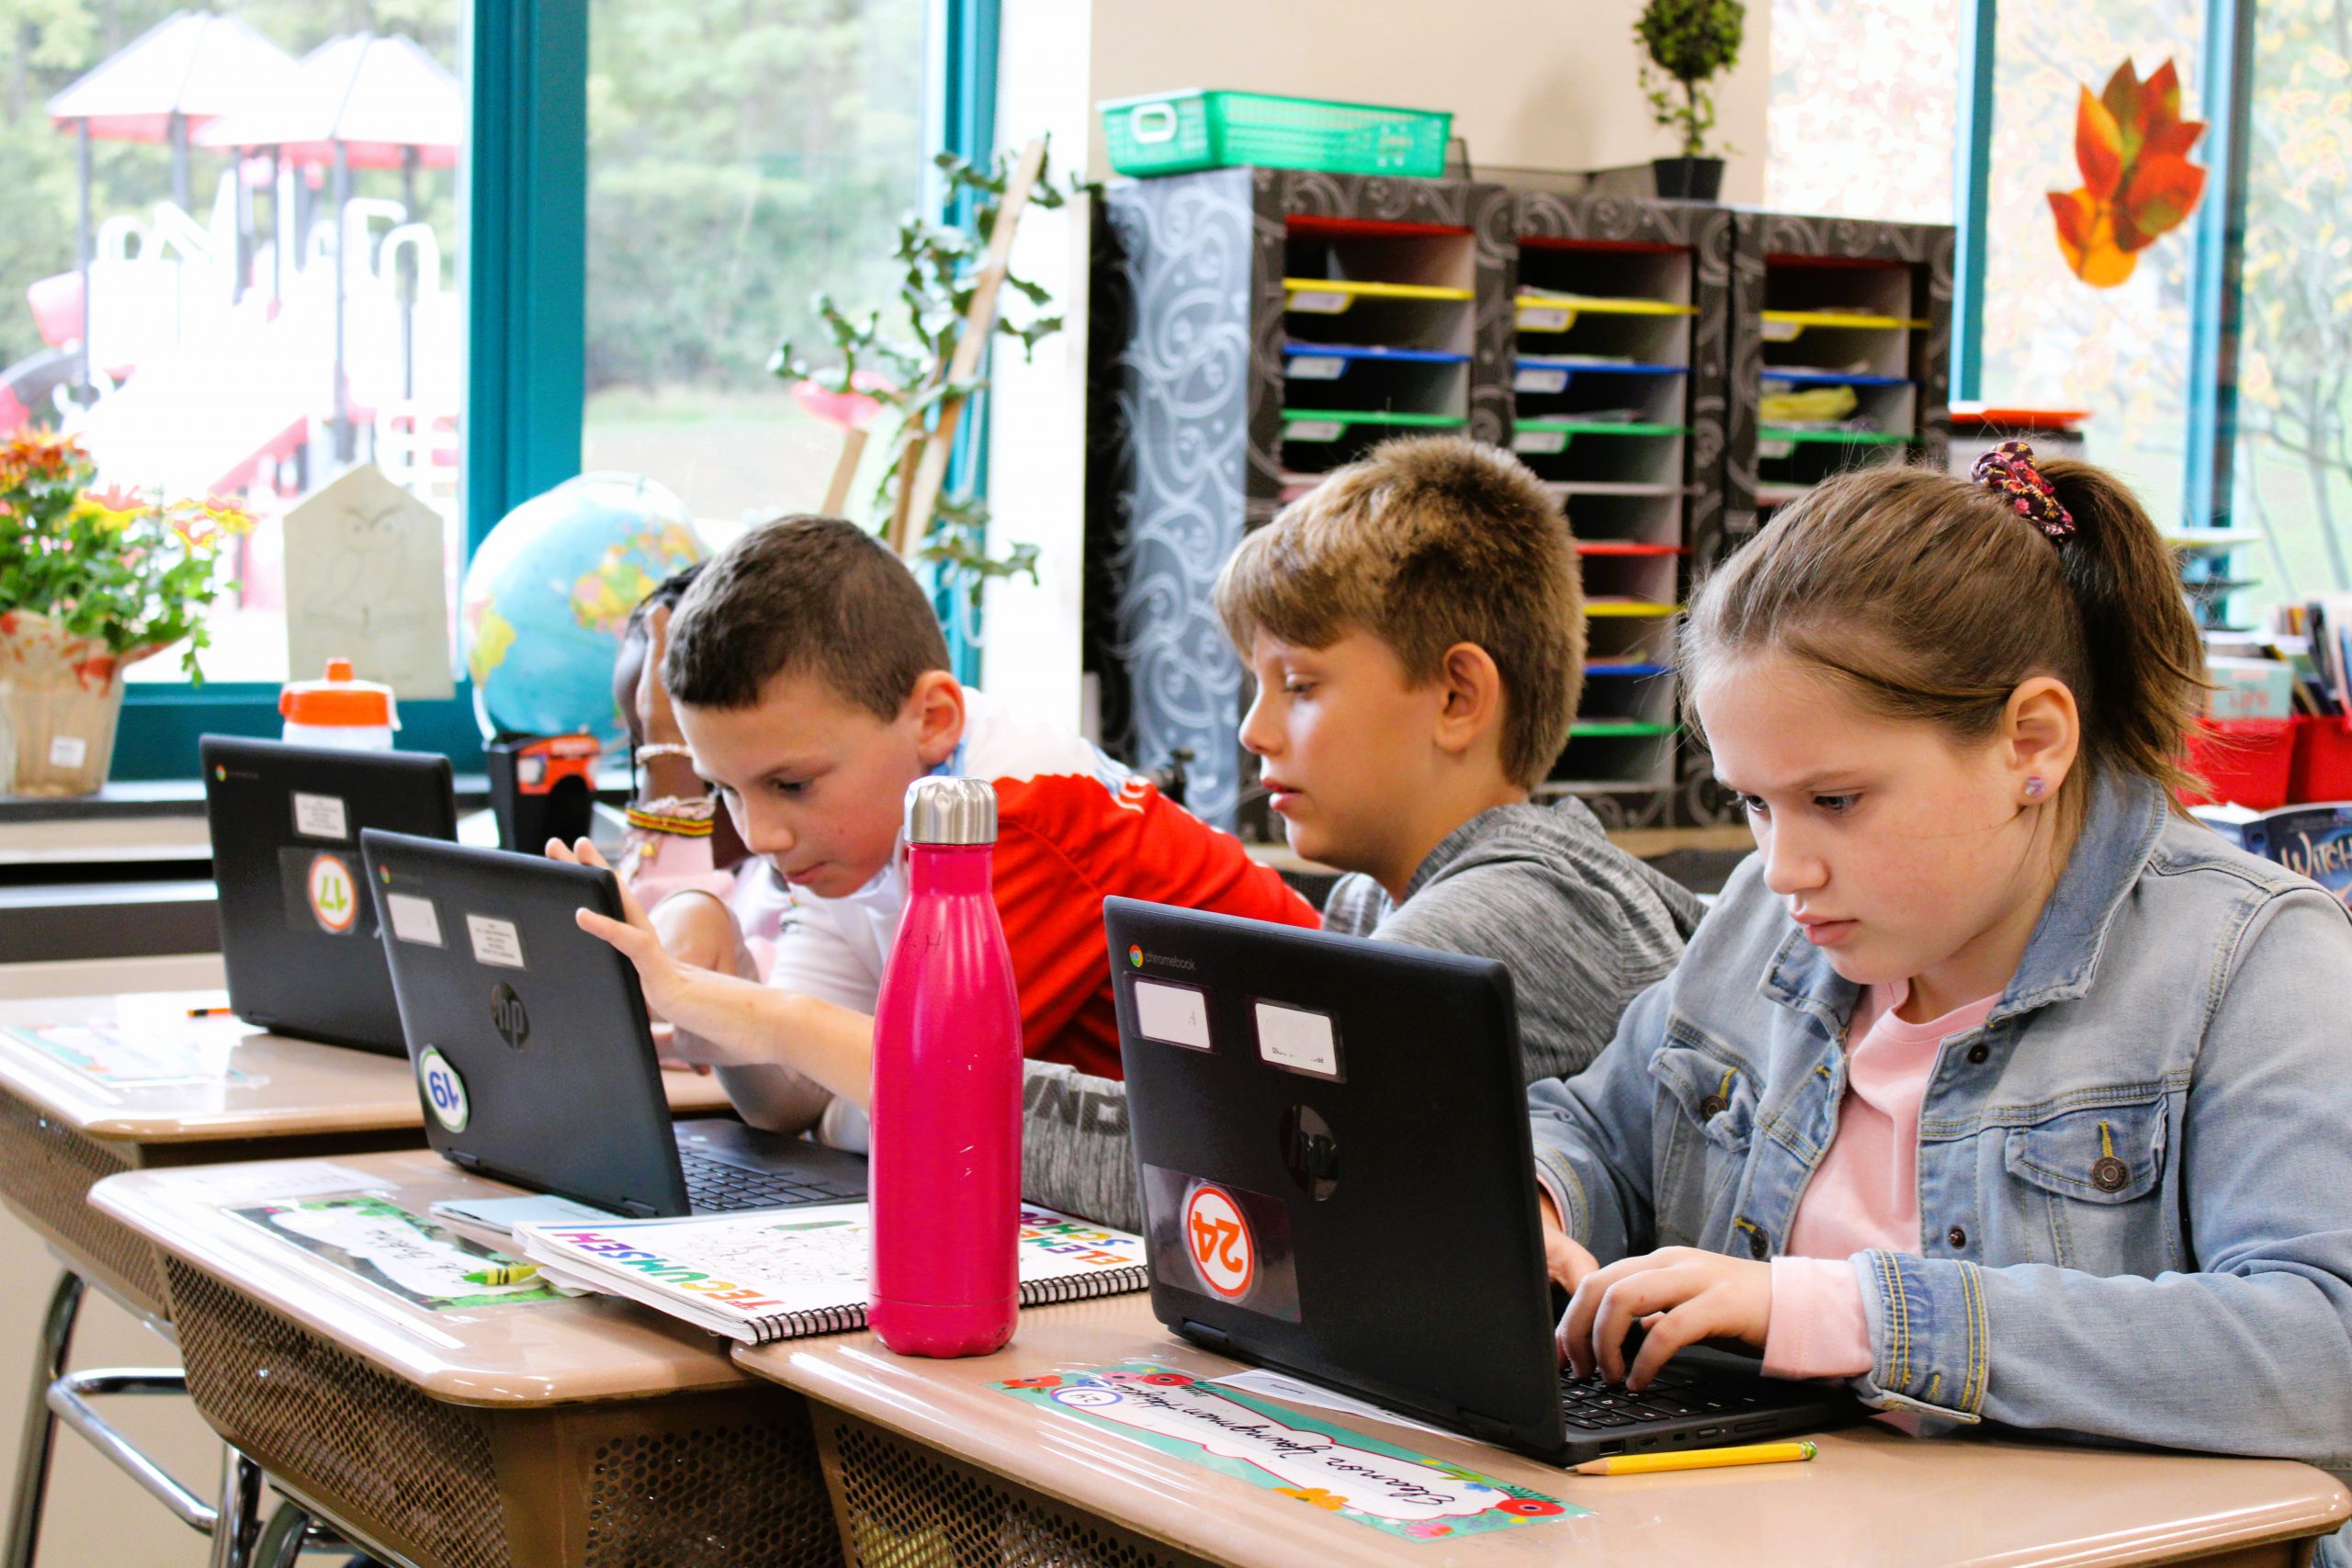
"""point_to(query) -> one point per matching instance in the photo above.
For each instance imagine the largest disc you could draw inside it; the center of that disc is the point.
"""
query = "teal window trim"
(1973, 192)
(961, 70)
(523, 195)
(2216, 279)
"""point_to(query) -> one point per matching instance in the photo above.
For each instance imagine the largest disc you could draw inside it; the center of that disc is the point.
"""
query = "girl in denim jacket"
(1993, 1084)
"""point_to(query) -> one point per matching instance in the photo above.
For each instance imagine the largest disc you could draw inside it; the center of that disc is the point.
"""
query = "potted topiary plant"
(1685, 43)
(91, 582)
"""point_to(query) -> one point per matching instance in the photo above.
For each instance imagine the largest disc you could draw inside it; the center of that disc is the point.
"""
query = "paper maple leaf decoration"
(2138, 184)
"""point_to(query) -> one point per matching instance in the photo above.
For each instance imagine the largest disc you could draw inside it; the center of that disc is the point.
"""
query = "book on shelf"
(774, 1274)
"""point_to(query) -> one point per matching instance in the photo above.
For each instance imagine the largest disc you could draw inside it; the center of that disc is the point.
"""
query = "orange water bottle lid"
(337, 700)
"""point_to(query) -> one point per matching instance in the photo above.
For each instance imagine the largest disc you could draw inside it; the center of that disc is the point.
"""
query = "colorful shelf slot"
(1795, 376)
(1787, 326)
(1597, 727)
(1600, 427)
(1628, 668)
(1838, 437)
(1333, 296)
(1296, 350)
(1543, 312)
(1627, 548)
(1329, 424)
(1565, 488)
(1582, 364)
(1630, 608)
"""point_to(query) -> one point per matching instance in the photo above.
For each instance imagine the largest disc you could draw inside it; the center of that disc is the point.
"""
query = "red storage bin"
(2323, 770)
(2245, 761)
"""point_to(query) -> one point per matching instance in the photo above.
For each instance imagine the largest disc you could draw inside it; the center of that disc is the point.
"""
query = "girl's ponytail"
(2146, 660)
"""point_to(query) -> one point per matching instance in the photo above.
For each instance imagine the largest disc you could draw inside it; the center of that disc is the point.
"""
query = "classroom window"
(213, 289)
(743, 155)
(2050, 339)
(2295, 453)
(1861, 116)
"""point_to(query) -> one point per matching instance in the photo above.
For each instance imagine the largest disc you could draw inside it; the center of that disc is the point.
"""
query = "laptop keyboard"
(1593, 1405)
(715, 1187)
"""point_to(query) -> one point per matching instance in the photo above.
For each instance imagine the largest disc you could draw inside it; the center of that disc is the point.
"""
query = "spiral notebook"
(785, 1274)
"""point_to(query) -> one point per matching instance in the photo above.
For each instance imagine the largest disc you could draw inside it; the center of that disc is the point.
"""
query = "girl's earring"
(2035, 787)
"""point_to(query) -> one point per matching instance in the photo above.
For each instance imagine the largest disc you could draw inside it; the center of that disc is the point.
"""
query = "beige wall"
(1532, 83)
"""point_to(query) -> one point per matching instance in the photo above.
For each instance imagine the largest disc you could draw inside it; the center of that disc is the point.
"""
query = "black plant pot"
(1689, 179)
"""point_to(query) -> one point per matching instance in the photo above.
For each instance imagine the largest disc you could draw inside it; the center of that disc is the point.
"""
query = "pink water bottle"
(944, 1152)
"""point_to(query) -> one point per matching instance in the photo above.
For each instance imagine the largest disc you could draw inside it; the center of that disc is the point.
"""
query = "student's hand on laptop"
(1680, 1293)
(694, 1001)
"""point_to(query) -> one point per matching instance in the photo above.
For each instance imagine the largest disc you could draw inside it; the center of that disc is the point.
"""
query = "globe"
(548, 594)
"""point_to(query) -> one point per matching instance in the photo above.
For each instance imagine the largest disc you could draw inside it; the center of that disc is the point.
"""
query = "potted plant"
(1685, 43)
(91, 582)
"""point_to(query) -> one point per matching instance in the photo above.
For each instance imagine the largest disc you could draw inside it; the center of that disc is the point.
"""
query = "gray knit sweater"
(1583, 927)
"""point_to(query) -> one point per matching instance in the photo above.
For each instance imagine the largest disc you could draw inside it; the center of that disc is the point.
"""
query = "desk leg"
(41, 1424)
(238, 1521)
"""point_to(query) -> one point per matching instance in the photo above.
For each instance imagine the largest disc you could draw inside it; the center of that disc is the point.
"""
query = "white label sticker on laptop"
(1297, 1040)
(1175, 1015)
(495, 942)
(413, 918)
(320, 816)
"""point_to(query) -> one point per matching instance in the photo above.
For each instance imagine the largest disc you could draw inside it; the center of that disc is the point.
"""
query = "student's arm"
(1592, 1135)
(2251, 1355)
(747, 1029)
(1074, 1150)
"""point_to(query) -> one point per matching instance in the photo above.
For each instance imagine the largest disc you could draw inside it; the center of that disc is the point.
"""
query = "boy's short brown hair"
(1428, 542)
(803, 595)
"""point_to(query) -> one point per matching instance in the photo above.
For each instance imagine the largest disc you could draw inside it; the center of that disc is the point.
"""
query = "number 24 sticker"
(1217, 1236)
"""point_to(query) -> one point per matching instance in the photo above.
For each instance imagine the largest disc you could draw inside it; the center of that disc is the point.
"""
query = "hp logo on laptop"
(506, 1015)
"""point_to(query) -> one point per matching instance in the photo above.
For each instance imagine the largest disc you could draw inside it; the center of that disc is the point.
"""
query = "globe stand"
(542, 787)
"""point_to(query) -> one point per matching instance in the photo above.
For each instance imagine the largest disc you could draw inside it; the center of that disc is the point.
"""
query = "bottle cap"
(951, 811)
(337, 700)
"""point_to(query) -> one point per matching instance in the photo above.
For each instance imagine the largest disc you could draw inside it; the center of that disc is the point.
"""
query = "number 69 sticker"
(445, 1090)
(1217, 1240)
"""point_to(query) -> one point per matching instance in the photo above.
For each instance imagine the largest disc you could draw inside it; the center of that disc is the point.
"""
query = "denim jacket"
(2135, 1177)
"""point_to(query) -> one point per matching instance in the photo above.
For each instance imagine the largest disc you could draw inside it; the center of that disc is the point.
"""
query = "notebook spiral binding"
(1033, 1292)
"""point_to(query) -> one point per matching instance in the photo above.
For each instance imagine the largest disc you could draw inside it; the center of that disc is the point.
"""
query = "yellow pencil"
(1698, 1459)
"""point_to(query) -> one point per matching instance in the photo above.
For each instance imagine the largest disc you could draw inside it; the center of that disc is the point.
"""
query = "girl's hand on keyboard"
(1683, 1294)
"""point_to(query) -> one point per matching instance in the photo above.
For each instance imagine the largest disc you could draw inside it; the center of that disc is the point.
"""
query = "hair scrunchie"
(2007, 470)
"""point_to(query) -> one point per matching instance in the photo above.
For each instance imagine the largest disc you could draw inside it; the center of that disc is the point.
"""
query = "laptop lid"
(297, 934)
(528, 1037)
(1332, 1140)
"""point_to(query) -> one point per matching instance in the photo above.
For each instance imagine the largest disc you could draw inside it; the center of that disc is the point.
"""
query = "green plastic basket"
(1172, 133)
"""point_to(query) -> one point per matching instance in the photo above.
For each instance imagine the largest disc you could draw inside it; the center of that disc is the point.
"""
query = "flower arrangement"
(115, 575)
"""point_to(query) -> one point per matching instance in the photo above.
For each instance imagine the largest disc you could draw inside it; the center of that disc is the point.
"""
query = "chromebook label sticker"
(445, 1090)
(1173, 1015)
(413, 918)
(321, 816)
(495, 942)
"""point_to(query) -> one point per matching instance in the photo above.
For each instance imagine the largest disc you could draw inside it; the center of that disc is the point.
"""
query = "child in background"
(1416, 631)
(1993, 1084)
(806, 677)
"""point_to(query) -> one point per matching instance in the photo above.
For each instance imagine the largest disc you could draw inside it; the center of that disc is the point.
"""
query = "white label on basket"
(1539, 379)
(1313, 430)
(1541, 441)
(320, 816)
(1301, 1041)
(1175, 1015)
(1316, 368)
(413, 918)
(1782, 332)
(495, 942)
(68, 752)
(1544, 319)
(1320, 301)
(1771, 451)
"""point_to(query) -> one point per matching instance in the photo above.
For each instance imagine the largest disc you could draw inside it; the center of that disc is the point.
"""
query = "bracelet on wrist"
(679, 815)
(654, 749)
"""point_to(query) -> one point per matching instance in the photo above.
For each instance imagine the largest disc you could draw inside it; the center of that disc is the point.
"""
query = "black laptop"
(533, 1055)
(1332, 1139)
(298, 933)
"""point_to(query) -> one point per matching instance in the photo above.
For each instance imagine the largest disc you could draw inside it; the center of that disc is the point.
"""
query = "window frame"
(2225, 90)
(523, 200)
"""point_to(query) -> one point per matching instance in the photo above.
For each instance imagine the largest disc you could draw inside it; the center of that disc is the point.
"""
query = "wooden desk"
(929, 1452)
(61, 1130)
(587, 1432)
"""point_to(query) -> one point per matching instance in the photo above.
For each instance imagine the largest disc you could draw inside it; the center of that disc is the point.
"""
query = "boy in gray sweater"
(1416, 629)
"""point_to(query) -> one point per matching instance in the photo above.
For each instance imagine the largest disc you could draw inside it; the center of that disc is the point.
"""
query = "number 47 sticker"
(1217, 1238)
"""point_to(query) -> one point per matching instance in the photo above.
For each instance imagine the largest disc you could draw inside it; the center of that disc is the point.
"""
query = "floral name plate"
(1329, 1467)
